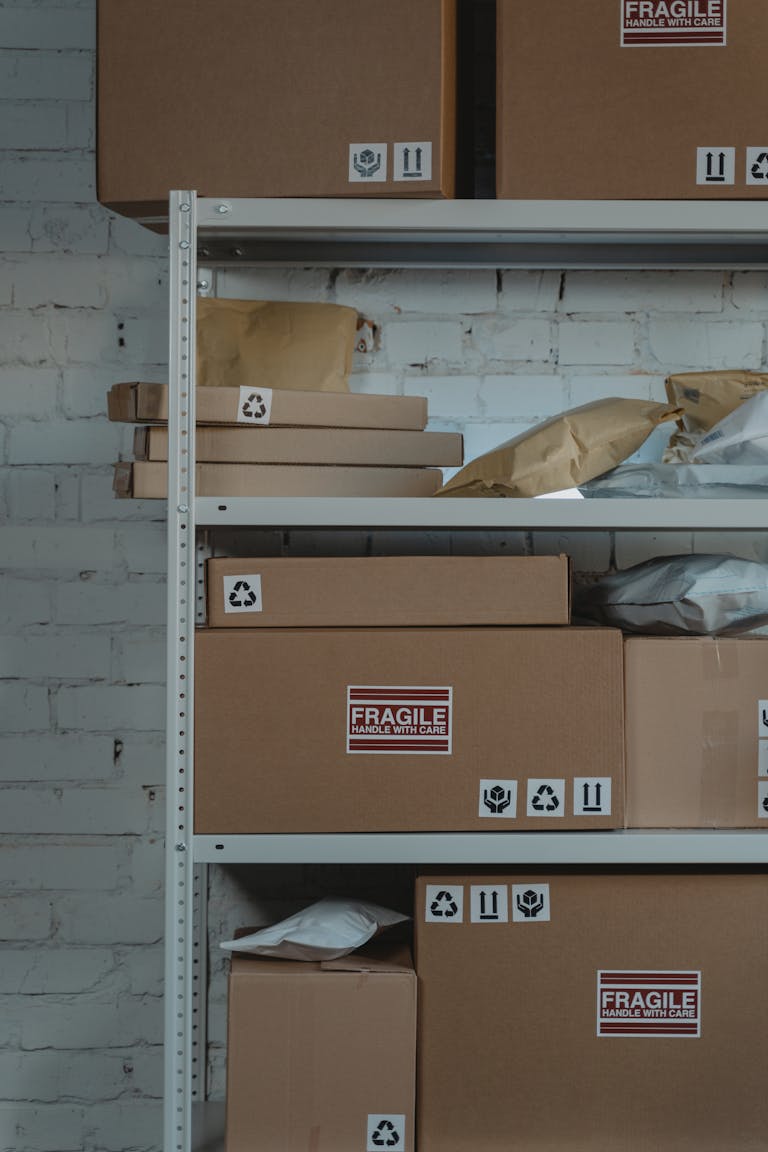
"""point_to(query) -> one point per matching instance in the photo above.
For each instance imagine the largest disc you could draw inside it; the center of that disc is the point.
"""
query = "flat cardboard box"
(632, 99)
(362, 446)
(408, 729)
(593, 1013)
(141, 403)
(696, 732)
(386, 591)
(321, 1055)
(273, 98)
(148, 480)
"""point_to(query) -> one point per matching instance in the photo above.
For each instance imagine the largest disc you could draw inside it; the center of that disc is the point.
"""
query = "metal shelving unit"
(422, 234)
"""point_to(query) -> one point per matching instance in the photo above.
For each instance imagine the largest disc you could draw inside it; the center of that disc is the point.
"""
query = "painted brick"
(310, 284)
(30, 494)
(590, 551)
(129, 238)
(375, 383)
(45, 75)
(105, 708)
(69, 228)
(522, 398)
(78, 865)
(66, 280)
(524, 291)
(53, 177)
(140, 660)
(55, 758)
(96, 1074)
(81, 125)
(448, 397)
(119, 920)
(617, 291)
(84, 390)
(634, 547)
(28, 392)
(143, 867)
(514, 339)
(33, 125)
(596, 342)
(57, 549)
(72, 656)
(41, 1128)
(25, 337)
(14, 229)
(47, 27)
(700, 344)
(143, 548)
(78, 811)
(749, 291)
(49, 1023)
(67, 442)
(736, 543)
(23, 707)
(639, 386)
(25, 918)
(55, 971)
(134, 603)
(433, 291)
(143, 971)
(422, 342)
(481, 438)
(84, 336)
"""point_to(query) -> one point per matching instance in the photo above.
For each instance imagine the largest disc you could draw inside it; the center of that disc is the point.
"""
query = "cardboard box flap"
(376, 956)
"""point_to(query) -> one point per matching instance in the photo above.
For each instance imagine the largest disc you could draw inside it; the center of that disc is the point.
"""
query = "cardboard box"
(363, 446)
(601, 1013)
(391, 591)
(321, 1056)
(139, 403)
(274, 98)
(420, 729)
(696, 732)
(632, 99)
(148, 480)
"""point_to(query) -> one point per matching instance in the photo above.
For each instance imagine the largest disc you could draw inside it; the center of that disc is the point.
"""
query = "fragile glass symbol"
(530, 903)
(367, 163)
(497, 799)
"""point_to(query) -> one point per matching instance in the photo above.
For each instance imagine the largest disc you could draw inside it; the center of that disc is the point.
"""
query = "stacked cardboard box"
(265, 442)
(403, 694)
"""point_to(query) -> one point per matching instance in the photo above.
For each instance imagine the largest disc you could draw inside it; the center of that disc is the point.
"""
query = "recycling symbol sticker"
(546, 798)
(385, 1132)
(242, 593)
(254, 406)
(757, 165)
(444, 905)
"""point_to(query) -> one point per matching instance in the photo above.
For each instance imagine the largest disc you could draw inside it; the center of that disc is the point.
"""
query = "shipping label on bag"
(673, 23)
(648, 1003)
(406, 720)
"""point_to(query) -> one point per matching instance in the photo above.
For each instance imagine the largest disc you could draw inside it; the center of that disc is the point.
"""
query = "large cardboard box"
(631, 99)
(141, 403)
(274, 98)
(361, 446)
(148, 480)
(408, 729)
(696, 732)
(386, 591)
(322, 1055)
(593, 1013)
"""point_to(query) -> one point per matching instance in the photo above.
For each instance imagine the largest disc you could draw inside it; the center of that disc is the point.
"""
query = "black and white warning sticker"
(762, 799)
(762, 719)
(242, 593)
(399, 720)
(592, 796)
(444, 904)
(412, 161)
(489, 904)
(715, 165)
(254, 406)
(367, 163)
(673, 23)
(385, 1131)
(498, 798)
(648, 1003)
(546, 797)
(530, 903)
(762, 757)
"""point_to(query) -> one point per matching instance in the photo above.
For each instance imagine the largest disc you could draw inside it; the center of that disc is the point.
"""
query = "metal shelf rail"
(397, 233)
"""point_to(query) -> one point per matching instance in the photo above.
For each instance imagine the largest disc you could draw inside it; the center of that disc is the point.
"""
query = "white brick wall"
(83, 304)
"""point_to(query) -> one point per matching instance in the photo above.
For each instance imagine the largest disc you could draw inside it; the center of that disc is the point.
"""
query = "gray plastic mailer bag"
(698, 595)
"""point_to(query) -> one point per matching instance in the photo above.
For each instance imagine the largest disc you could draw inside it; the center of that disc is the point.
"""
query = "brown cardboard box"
(696, 732)
(321, 1056)
(274, 98)
(619, 100)
(364, 446)
(148, 479)
(593, 1013)
(139, 403)
(420, 729)
(389, 591)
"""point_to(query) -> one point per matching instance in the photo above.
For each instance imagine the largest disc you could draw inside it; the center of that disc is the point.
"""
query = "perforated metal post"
(180, 982)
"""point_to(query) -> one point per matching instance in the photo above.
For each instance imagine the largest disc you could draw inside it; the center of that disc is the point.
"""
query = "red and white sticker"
(399, 720)
(673, 23)
(648, 1003)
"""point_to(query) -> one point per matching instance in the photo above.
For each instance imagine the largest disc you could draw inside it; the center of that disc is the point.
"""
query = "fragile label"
(762, 718)
(367, 163)
(395, 720)
(242, 593)
(254, 406)
(648, 1003)
(762, 799)
(530, 903)
(762, 757)
(498, 798)
(673, 23)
